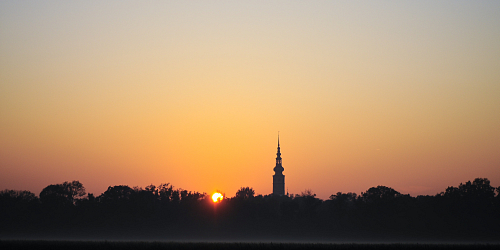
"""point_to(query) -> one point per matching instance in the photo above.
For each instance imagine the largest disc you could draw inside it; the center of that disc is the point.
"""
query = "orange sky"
(405, 95)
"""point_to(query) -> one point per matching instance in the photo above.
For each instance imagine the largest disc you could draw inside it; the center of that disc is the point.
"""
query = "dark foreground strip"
(111, 245)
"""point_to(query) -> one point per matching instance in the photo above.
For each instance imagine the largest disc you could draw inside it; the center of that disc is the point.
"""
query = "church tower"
(278, 177)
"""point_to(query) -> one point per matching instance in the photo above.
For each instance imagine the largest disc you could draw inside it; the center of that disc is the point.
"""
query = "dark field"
(109, 245)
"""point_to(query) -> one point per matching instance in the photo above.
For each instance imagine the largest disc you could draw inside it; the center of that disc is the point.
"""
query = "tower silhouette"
(278, 177)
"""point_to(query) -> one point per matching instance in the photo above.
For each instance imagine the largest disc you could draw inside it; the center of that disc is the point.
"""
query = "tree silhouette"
(116, 194)
(245, 193)
(470, 210)
(379, 193)
(307, 193)
(63, 194)
(480, 188)
(165, 191)
(23, 196)
(344, 197)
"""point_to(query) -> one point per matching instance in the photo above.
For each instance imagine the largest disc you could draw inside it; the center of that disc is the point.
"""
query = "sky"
(404, 94)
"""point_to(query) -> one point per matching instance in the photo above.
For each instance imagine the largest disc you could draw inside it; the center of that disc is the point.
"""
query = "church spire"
(278, 177)
(279, 142)
(278, 156)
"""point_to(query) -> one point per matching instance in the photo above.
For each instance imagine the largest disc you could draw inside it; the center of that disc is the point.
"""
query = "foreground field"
(110, 245)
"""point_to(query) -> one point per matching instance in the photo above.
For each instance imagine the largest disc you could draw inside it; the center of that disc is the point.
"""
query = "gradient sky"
(404, 94)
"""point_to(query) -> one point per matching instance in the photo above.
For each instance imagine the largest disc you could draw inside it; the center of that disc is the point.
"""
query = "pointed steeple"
(278, 177)
(279, 143)
(278, 168)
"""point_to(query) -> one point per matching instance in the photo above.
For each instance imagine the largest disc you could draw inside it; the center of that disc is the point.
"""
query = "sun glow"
(217, 197)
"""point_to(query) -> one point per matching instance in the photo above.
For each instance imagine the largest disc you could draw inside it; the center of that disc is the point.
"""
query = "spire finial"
(278, 138)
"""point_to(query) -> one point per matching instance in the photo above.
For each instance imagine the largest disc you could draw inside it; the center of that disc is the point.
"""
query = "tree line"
(469, 211)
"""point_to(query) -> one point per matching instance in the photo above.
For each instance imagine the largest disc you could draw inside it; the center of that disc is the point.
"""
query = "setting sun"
(216, 197)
